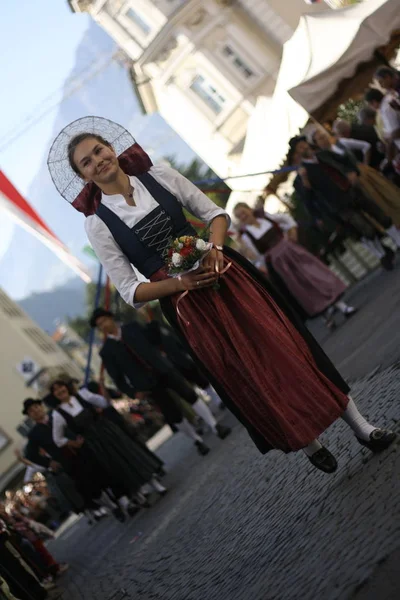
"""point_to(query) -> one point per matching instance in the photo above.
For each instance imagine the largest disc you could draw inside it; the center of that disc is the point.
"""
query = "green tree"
(197, 170)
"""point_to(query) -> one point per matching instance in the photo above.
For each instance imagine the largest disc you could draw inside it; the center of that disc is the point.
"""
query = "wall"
(22, 339)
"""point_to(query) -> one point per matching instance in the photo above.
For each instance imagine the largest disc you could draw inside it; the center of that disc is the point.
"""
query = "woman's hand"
(198, 279)
(76, 444)
(352, 177)
(292, 235)
(214, 261)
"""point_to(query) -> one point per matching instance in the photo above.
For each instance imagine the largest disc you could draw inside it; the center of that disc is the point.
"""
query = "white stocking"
(202, 410)
(215, 400)
(156, 485)
(394, 234)
(188, 430)
(356, 421)
(312, 448)
(374, 246)
(105, 500)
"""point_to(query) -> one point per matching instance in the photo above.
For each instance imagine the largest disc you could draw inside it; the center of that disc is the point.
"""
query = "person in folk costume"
(60, 485)
(109, 412)
(138, 367)
(119, 464)
(327, 184)
(21, 579)
(373, 185)
(263, 362)
(298, 275)
(165, 339)
(42, 451)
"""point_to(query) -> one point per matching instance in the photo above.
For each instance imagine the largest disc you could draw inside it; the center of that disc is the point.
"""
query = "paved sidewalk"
(240, 526)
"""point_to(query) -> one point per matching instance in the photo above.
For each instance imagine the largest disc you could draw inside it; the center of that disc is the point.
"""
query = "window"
(41, 340)
(207, 92)
(233, 57)
(8, 306)
(138, 21)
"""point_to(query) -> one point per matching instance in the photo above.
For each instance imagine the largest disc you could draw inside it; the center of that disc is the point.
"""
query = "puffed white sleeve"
(59, 425)
(116, 264)
(353, 144)
(284, 220)
(94, 399)
(252, 254)
(188, 194)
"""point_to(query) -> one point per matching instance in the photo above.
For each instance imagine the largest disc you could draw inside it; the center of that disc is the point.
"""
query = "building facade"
(29, 360)
(202, 64)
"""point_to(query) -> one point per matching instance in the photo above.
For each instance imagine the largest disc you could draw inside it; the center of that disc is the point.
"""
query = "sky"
(41, 44)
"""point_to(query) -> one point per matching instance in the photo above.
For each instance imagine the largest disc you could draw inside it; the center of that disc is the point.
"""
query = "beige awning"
(328, 46)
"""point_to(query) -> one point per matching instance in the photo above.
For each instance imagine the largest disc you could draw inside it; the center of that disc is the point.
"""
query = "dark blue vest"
(145, 244)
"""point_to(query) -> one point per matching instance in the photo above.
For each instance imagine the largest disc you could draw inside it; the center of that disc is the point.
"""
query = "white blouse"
(285, 222)
(117, 265)
(352, 144)
(73, 408)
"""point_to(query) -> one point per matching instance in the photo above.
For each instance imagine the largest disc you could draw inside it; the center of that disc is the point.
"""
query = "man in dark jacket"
(138, 368)
(168, 343)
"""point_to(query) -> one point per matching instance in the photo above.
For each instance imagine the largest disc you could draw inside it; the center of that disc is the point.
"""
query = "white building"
(29, 359)
(202, 64)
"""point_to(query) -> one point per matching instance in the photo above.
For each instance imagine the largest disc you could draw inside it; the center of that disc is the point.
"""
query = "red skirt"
(259, 360)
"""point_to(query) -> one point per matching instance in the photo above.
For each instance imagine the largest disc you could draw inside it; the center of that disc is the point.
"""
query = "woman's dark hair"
(61, 382)
(75, 141)
(242, 205)
(366, 113)
(373, 95)
(384, 71)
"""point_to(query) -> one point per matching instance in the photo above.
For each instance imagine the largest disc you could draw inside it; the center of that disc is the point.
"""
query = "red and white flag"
(25, 215)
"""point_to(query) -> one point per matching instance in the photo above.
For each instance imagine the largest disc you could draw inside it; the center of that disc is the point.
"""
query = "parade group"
(243, 346)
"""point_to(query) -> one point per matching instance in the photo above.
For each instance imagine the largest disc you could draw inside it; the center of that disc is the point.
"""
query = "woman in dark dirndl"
(107, 455)
(256, 352)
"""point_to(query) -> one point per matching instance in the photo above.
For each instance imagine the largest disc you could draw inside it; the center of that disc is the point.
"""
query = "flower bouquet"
(186, 254)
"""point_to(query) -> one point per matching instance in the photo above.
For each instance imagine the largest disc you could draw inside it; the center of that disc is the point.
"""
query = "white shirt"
(390, 117)
(285, 222)
(352, 144)
(117, 265)
(73, 408)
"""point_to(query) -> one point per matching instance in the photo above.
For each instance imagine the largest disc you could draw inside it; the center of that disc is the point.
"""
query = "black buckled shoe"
(223, 431)
(379, 440)
(119, 514)
(323, 460)
(133, 509)
(202, 448)
(350, 312)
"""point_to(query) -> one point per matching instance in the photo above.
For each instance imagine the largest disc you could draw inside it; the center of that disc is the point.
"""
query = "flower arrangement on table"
(186, 254)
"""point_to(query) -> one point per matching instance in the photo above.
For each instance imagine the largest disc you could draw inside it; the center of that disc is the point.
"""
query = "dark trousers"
(169, 407)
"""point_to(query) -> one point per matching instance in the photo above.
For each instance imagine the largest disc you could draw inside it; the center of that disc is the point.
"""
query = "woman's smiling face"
(96, 161)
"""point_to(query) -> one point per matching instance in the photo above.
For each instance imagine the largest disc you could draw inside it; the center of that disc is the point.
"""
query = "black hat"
(28, 403)
(97, 313)
(296, 140)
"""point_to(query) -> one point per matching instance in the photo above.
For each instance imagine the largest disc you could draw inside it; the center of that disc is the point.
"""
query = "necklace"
(129, 194)
(130, 190)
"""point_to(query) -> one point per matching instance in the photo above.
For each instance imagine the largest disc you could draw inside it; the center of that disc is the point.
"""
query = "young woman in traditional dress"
(296, 273)
(256, 352)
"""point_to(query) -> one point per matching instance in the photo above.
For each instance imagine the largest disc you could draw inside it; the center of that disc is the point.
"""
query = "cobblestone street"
(239, 526)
